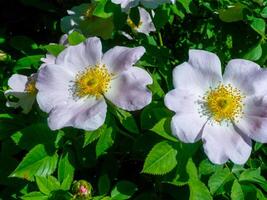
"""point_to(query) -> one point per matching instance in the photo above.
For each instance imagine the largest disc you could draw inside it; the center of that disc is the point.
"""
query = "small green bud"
(3, 56)
(82, 190)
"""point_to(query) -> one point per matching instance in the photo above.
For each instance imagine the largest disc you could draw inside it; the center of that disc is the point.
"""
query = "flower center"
(223, 103)
(93, 81)
(30, 86)
(132, 24)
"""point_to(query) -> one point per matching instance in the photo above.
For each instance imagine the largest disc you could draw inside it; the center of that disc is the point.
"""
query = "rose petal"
(83, 55)
(225, 142)
(119, 59)
(17, 82)
(128, 91)
(87, 114)
(147, 25)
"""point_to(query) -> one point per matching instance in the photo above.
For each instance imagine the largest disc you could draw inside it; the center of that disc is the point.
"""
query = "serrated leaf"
(38, 162)
(91, 136)
(161, 159)
(105, 141)
(198, 190)
(218, 179)
(54, 49)
(258, 25)
(66, 168)
(236, 191)
(34, 196)
(123, 190)
(264, 12)
(76, 38)
(254, 53)
(99, 10)
(232, 14)
(253, 175)
(66, 183)
(28, 62)
(162, 128)
(206, 167)
(47, 184)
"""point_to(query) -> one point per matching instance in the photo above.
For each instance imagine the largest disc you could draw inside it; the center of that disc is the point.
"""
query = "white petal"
(119, 59)
(225, 142)
(17, 82)
(182, 101)
(128, 91)
(147, 25)
(53, 84)
(254, 121)
(207, 63)
(187, 126)
(195, 80)
(126, 4)
(243, 74)
(80, 56)
(25, 100)
(87, 114)
(64, 40)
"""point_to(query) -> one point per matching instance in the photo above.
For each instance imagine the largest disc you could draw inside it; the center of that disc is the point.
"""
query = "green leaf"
(258, 25)
(54, 49)
(66, 183)
(34, 196)
(264, 12)
(254, 53)
(47, 184)
(232, 14)
(123, 190)
(28, 62)
(75, 38)
(236, 191)
(162, 128)
(126, 119)
(161, 159)
(218, 179)
(99, 10)
(198, 190)
(38, 162)
(186, 5)
(23, 44)
(105, 141)
(253, 175)
(206, 167)
(66, 168)
(103, 184)
(91, 136)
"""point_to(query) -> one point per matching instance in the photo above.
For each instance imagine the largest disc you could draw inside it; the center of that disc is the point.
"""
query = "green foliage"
(133, 155)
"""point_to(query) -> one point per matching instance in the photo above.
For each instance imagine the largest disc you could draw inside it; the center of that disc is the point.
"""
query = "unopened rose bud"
(82, 190)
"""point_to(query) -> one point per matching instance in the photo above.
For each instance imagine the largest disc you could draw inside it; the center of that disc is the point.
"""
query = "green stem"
(160, 39)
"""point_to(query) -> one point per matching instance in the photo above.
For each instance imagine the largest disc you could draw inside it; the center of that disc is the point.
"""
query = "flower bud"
(82, 190)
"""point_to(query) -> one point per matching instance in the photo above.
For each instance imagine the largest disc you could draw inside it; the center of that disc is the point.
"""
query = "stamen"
(133, 25)
(223, 103)
(93, 81)
(30, 86)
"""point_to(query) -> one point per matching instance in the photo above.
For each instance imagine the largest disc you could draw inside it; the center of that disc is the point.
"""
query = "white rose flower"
(226, 112)
(23, 88)
(74, 90)
(145, 24)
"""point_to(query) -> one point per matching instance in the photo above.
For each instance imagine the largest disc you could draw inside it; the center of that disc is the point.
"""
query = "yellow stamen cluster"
(94, 82)
(89, 12)
(30, 86)
(224, 103)
(132, 24)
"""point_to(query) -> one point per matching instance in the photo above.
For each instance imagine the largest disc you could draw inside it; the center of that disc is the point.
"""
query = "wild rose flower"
(127, 4)
(74, 89)
(145, 24)
(23, 88)
(226, 112)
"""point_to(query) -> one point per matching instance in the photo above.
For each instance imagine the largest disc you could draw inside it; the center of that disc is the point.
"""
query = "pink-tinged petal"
(54, 86)
(147, 25)
(181, 101)
(17, 82)
(254, 121)
(129, 89)
(193, 79)
(225, 142)
(187, 126)
(207, 63)
(86, 114)
(25, 100)
(245, 75)
(119, 59)
(78, 57)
